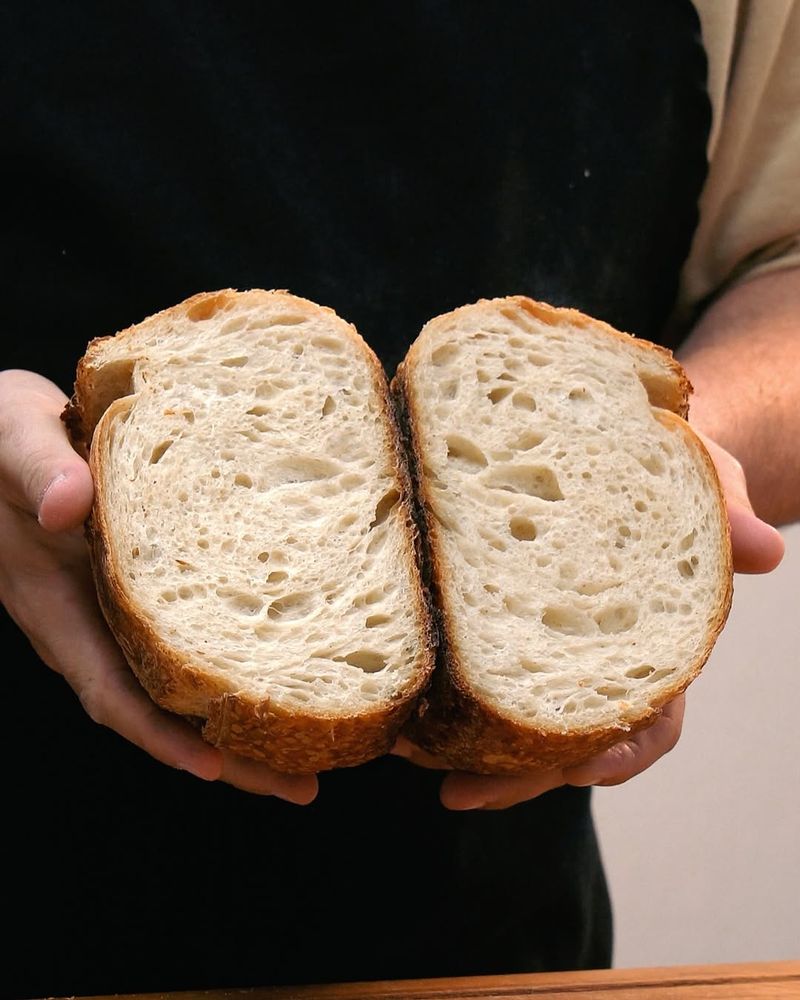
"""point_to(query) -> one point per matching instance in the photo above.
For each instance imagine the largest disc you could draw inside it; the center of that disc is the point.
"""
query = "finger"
(118, 701)
(416, 755)
(253, 776)
(462, 791)
(172, 741)
(632, 756)
(67, 498)
(39, 470)
(79, 646)
(64, 624)
(112, 697)
(757, 546)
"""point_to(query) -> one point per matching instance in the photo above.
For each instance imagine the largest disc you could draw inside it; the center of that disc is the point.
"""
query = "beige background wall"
(703, 850)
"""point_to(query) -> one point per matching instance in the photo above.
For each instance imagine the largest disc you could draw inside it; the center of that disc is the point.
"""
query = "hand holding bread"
(46, 586)
(120, 703)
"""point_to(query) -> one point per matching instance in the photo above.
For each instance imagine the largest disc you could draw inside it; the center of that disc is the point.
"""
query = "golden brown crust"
(451, 721)
(289, 741)
(670, 393)
(302, 744)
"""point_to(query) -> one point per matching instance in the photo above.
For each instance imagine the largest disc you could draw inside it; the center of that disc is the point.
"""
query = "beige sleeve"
(750, 206)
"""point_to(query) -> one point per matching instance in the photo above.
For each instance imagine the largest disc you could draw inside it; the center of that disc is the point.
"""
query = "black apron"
(392, 161)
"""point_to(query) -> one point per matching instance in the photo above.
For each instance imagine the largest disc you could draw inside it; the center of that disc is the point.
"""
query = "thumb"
(757, 546)
(39, 471)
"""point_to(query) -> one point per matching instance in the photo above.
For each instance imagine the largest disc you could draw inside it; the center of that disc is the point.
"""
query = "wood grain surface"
(746, 981)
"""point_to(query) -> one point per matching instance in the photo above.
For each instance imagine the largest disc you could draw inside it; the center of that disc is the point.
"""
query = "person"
(392, 161)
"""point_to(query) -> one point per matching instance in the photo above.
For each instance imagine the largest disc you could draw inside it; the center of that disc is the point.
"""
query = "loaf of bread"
(576, 534)
(251, 536)
(274, 572)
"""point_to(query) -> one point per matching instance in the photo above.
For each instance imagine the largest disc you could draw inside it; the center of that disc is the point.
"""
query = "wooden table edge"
(592, 983)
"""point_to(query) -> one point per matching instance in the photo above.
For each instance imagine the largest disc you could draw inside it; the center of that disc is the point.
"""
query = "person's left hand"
(757, 548)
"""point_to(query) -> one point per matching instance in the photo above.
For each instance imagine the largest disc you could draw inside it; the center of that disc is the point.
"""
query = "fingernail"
(769, 528)
(292, 800)
(43, 495)
(402, 748)
(300, 790)
(591, 774)
(296, 798)
(772, 530)
(196, 769)
(588, 778)
(464, 802)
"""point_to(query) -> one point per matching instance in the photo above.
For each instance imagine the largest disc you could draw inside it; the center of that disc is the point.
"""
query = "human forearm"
(743, 358)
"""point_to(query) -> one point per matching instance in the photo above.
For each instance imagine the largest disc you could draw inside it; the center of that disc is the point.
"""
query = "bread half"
(251, 535)
(577, 537)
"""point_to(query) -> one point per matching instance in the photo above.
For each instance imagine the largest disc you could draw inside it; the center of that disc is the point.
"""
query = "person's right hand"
(46, 586)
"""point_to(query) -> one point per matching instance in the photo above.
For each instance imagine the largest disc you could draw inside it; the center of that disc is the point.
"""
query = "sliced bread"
(577, 537)
(251, 536)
